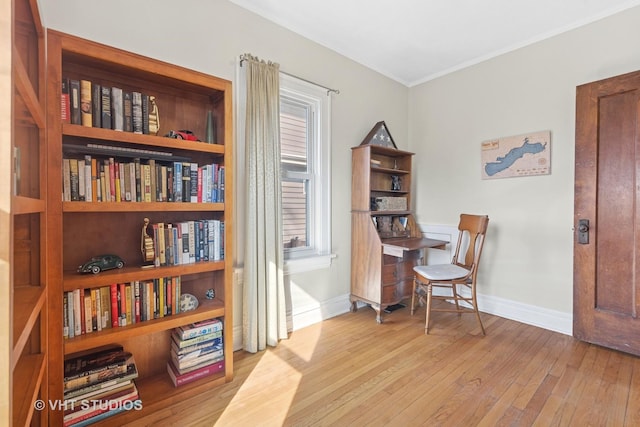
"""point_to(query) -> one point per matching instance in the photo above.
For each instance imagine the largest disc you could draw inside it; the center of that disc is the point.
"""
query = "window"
(305, 168)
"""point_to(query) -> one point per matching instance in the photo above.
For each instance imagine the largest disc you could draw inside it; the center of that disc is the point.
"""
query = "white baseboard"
(524, 313)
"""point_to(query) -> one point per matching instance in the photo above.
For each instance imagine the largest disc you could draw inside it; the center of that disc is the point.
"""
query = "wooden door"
(607, 188)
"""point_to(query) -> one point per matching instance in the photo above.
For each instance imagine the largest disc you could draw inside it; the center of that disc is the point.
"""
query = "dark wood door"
(606, 278)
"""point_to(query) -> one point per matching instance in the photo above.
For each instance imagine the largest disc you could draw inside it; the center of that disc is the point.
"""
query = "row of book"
(99, 383)
(87, 103)
(140, 180)
(91, 310)
(196, 351)
(188, 242)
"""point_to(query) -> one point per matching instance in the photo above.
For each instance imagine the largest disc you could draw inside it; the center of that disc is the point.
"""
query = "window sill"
(302, 265)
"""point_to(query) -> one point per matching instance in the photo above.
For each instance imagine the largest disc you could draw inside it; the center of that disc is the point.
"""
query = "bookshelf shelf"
(74, 280)
(206, 310)
(78, 230)
(157, 393)
(102, 207)
(108, 135)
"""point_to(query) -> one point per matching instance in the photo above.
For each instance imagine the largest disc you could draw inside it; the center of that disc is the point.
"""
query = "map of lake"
(505, 162)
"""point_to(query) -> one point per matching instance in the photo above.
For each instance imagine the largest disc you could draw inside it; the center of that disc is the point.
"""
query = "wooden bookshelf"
(79, 230)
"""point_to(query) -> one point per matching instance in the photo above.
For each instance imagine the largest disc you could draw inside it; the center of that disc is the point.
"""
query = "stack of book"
(98, 383)
(196, 351)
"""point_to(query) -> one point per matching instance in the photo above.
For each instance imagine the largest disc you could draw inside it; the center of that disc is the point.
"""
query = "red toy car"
(182, 134)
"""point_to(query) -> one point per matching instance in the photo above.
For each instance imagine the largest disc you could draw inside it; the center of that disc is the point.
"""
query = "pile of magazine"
(98, 383)
(196, 351)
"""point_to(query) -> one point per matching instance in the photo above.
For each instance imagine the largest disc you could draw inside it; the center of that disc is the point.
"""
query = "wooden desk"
(387, 278)
(397, 247)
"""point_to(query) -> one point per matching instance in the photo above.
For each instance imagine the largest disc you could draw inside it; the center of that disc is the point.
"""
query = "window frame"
(318, 253)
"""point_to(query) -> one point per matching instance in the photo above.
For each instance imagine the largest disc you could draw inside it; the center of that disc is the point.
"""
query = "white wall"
(527, 265)
(209, 36)
(528, 256)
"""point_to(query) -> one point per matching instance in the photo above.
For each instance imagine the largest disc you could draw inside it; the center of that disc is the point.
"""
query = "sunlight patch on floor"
(275, 371)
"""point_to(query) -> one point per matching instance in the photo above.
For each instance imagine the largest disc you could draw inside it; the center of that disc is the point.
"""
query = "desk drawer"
(393, 273)
(392, 294)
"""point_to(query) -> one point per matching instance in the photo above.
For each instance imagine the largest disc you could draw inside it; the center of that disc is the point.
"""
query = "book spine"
(96, 100)
(127, 111)
(194, 183)
(177, 181)
(65, 102)
(136, 112)
(75, 180)
(81, 181)
(179, 380)
(86, 104)
(66, 180)
(186, 182)
(145, 114)
(70, 314)
(88, 190)
(105, 107)
(115, 319)
(74, 95)
(77, 312)
(117, 117)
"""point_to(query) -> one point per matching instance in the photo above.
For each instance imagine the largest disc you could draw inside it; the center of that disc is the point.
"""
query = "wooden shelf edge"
(207, 310)
(102, 207)
(27, 378)
(73, 280)
(154, 141)
(28, 302)
(26, 205)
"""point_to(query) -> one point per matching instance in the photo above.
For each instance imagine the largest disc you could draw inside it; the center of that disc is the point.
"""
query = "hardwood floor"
(350, 371)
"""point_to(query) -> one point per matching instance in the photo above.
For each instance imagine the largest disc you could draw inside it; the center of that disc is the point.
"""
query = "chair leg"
(426, 322)
(413, 296)
(475, 308)
(454, 288)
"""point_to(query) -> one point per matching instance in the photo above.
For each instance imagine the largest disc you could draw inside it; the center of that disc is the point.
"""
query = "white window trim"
(320, 256)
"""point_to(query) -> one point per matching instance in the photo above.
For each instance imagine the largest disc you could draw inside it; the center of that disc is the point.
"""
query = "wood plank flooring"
(351, 371)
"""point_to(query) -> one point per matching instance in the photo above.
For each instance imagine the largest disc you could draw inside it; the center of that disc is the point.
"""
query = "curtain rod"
(336, 91)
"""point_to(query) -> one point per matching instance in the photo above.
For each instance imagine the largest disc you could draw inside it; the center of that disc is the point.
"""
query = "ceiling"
(413, 41)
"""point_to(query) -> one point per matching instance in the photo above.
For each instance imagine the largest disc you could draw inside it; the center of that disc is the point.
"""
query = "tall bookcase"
(386, 242)
(24, 209)
(78, 230)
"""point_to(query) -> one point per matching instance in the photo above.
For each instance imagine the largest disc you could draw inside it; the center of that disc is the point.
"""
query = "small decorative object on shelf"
(182, 134)
(146, 245)
(154, 116)
(395, 183)
(210, 135)
(188, 302)
(380, 136)
(210, 294)
(101, 263)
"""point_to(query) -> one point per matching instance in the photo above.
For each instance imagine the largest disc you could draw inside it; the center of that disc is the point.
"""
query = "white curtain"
(264, 310)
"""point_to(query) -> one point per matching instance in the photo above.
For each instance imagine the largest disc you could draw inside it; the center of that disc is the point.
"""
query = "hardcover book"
(74, 96)
(65, 102)
(105, 107)
(199, 328)
(178, 380)
(117, 106)
(145, 114)
(96, 108)
(127, 111)
(86, 104)
(136, 112)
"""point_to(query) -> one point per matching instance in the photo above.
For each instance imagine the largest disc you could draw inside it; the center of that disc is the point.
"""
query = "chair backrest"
(473, 227)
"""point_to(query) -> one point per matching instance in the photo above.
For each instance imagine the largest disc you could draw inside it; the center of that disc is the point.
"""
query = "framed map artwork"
(521, 155)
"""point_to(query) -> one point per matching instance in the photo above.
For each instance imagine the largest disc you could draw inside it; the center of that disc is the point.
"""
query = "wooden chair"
(461, 272)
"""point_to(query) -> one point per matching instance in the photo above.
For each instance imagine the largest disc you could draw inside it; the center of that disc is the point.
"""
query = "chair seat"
(441, 271)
